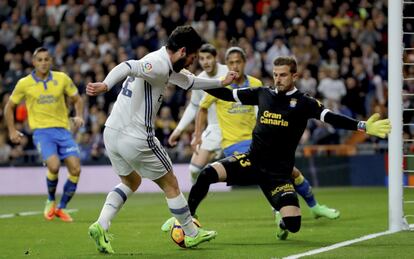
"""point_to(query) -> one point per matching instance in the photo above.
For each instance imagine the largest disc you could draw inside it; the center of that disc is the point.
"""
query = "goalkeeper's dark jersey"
(281, 121)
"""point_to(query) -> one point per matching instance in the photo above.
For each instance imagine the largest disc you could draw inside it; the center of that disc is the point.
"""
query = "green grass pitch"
(242, 218)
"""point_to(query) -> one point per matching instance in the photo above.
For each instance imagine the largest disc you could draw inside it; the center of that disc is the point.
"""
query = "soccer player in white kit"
(211, 137)
(129, 134)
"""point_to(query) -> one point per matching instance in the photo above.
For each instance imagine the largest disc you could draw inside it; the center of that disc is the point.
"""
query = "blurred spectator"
(13, 75)
(354, 98)
(277, 49)
(85, 146)
(332, 90)
(7, 35)
(307, 83)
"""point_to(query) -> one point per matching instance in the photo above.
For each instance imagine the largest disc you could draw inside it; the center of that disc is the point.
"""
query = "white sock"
(179, 209)
(113, 203)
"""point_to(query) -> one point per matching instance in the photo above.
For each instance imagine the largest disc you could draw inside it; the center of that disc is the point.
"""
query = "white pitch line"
(27, 213)
(338, 245)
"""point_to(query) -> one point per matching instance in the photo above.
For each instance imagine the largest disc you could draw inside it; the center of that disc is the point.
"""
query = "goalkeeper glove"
(374, 126)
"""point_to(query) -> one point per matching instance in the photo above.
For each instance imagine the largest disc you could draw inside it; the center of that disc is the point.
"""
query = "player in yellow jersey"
(237, 122)
(44, 92)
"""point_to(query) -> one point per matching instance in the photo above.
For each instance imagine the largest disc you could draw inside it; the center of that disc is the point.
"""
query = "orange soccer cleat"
(63, 215)
(49, 211)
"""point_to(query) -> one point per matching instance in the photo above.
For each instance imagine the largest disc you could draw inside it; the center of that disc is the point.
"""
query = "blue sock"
(51, 181)
(305, 190)
(68, 191)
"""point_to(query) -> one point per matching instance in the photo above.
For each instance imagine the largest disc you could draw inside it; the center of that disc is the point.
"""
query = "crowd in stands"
(341, 47)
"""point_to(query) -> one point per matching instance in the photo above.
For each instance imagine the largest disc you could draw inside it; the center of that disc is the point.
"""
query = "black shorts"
(241, 171)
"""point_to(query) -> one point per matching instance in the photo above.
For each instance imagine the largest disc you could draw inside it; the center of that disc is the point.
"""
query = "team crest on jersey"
(293, 102)
(147, 67)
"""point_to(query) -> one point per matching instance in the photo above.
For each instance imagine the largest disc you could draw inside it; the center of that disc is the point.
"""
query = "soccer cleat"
(49, 211)
(323, 211)
(281, 233)
(101, 238)
(201, 237)
(63, 215)
(168, 224)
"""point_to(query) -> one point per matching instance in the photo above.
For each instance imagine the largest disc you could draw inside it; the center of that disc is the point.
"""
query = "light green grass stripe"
(338, 245)
(27, 213)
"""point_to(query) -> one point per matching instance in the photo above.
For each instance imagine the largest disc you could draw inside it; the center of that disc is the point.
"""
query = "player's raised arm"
(373, 126)
(222, 93)
(188, 81)
(146, 69)
(118, 73)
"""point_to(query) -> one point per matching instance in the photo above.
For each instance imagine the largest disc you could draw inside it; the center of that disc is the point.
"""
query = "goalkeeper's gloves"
(375, 127)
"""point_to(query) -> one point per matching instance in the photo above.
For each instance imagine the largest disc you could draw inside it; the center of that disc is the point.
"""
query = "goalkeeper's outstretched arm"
(222, 93)
(373, 126)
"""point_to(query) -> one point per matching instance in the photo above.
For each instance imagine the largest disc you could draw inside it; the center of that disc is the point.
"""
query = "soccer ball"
(177, 233)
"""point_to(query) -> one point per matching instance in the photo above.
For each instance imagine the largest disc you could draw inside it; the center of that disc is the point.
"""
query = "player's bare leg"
(113, 203)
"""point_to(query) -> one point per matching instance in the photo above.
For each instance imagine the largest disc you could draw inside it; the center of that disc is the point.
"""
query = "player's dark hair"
(235, 50)
(208, 48)
(287, 61)
(40, 49)
(184, 36)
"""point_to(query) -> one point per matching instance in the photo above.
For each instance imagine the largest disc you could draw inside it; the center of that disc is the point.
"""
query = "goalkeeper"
(282, 118)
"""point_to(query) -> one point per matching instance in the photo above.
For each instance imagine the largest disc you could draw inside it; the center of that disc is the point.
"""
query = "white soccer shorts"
(211, 138)
(145, 156)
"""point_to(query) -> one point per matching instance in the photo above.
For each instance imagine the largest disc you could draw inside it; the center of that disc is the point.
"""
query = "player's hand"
(16, 136)
(173, 139)
(230, 77)
(77, 122)
(94, 89)
(377, 127)
(196, 143)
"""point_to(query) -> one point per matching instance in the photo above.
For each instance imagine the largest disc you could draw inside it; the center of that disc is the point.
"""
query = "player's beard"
(179, 64)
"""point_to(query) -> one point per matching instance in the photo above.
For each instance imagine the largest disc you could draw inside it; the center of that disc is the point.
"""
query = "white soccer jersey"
(140, 98)
(196, 97)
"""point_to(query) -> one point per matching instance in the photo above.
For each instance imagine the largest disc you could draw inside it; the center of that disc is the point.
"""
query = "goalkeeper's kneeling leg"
(292, 223)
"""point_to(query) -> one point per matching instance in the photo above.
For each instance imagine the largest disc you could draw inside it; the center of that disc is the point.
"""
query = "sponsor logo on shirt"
(240, 108)
(46, 99)
(273, 119)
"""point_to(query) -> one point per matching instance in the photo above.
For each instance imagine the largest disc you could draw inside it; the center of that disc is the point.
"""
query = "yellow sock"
(51, 177)
(299, 180)
(73, 179)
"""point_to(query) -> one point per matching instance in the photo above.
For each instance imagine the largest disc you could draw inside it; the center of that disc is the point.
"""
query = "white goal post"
(395, 112)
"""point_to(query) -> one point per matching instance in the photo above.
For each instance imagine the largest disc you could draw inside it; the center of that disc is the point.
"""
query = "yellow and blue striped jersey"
(236, 120)
(45, 100)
